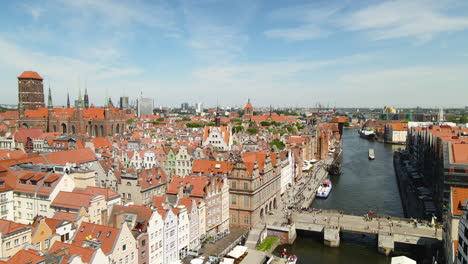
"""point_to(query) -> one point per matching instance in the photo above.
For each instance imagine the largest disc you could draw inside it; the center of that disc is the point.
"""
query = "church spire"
(68, 100)
(49, 99)
(86, 98)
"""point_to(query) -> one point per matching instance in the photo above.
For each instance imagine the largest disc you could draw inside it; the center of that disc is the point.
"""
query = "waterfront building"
(218, 136)
(255, 187)
(396, 132)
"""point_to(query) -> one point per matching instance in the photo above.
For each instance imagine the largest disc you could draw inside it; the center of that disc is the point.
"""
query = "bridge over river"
(388, 229)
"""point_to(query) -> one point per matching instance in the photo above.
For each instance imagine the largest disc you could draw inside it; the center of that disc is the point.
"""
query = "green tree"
(278, 143)
(265, 123)
(155, 123)
(130, 121)
(161, 119)
(252, 130)
(185, 118)
(237, 129)
(346, 123)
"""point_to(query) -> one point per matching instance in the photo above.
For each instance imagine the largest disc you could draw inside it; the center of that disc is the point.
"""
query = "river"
(363, 186)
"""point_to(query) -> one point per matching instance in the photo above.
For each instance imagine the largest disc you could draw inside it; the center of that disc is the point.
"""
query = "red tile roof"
(459, 198)
(460, 152)
(72, 200)
(212, 166)
(108, 235)
(60, 215)
(7, 227)
(72, 250)
(30, 256)
(22, 134)
(108, 193)
(30, 75)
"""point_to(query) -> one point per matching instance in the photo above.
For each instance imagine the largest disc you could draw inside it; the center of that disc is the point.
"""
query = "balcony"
(3, 212)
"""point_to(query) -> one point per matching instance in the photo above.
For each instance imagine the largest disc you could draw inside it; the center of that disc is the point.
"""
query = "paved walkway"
(225, 243)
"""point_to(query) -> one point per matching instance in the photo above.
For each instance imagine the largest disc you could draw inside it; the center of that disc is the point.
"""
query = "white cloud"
(420, 19)
(34, 11)
(61, 71)
(305, 32)
(420, 85)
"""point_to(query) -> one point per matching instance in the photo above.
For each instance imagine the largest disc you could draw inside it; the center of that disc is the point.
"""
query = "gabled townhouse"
(170, 236)
(183, 225)
(218, 170)
(218, 136)
(212, 191)
(112, 198)
(138, 187)
(46, 231)
(94, 204)
(118, 245)
(107, 173)
(75, 253)
(149, 159)
(146, 225)
(183, 161)
(193, 217)
(35, 191)
(13, 237)
(171, 161)
(255, 186)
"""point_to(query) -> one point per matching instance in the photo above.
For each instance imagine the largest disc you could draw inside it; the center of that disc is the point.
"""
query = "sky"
(343, 53)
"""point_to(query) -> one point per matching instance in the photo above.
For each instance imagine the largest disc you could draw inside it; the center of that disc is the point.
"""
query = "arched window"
(73, 130)
(102, 131)
(117, 129)
(64, 128)
(95, 132)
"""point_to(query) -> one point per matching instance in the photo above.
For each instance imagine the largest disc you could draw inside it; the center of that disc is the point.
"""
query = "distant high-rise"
(184, 106)
(124, 102)
(199, 108)
(145, 106)
(30, 91)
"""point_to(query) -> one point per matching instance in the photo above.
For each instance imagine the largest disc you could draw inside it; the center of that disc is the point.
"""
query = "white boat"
(292, 259)
(324, 189)
(371, 154)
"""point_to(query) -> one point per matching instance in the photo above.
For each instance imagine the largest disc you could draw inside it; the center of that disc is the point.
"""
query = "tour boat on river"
(324, 189)
(371, 154)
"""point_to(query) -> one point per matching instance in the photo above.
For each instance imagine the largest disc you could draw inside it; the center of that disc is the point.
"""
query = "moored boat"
(292, 259)
(324, 189)
(367, 134)
(371, 154)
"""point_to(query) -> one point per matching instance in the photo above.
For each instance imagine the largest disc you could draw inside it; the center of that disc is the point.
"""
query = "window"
(38, 246)
(246, 201)
(233, 184)
(246, 186)
(46, 244)
(98, 234)
(24, 239)
(234, 200)
(233, 219)
(143, 243)
(129, 196)
(246, 220)
(8, 245)
(133, 256)
(16, 242)
(124, 247)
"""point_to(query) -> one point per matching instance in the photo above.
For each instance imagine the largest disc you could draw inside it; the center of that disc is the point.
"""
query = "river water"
(363, 186)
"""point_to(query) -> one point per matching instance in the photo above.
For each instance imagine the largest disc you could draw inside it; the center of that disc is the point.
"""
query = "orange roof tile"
(108, 235)
(460, 152)
(7, 227)
(212, 166)
(30, 75)
(30, 256)
(459, 198)
(72, 250)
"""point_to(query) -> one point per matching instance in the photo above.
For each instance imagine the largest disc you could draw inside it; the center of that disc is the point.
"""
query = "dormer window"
(22, 181)
(98, 234)
(82, 229)
(108, 234)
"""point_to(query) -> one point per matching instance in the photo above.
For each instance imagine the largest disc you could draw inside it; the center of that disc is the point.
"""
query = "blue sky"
(285, 53)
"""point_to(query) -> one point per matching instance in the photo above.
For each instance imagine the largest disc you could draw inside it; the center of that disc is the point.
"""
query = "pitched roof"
(29, 256)
(212, 166)
(7, 227)
(460, 152)
(107, 235)
(30, 75)
(108, 193)
(72, 200)
(459, 198)
(72, 250)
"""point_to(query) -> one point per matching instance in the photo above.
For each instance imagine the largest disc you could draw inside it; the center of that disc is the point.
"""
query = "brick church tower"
(30, 92)
(248, 111)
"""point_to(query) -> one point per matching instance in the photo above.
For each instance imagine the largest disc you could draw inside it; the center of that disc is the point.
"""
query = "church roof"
(30, 75)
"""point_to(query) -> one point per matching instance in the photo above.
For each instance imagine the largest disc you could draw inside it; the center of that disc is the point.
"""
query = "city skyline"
(276, 53)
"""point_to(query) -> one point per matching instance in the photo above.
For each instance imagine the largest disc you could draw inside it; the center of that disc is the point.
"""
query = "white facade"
(29, 205)
(194, 236)
(7, 205)
(155, 234)
(225, 217)
(183, 232)
(125, 248)
(149, 159)
(218, 138)
(170, 247)
(398, 136)
(462, 254)
(287, 176)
